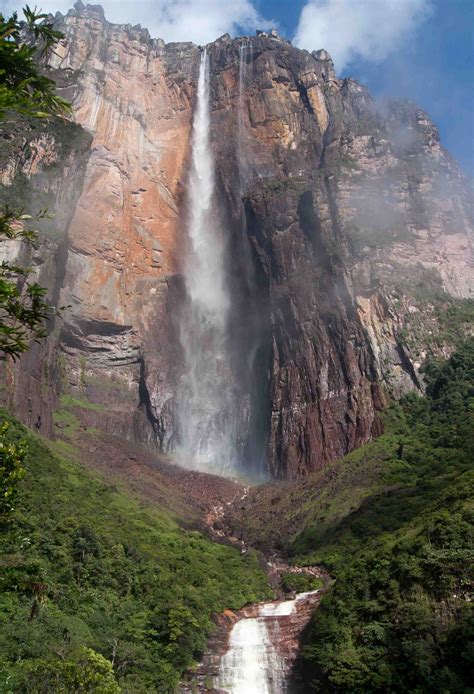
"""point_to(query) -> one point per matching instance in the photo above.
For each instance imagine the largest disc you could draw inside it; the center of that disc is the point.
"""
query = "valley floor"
(115, 563)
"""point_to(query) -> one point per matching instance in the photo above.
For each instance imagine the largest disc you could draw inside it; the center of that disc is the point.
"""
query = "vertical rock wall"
(349, 229)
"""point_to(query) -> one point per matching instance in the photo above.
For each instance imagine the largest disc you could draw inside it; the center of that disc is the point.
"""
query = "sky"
(420, 49)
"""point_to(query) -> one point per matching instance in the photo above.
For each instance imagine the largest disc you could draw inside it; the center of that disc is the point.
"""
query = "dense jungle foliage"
(399, 616)
(98, 593)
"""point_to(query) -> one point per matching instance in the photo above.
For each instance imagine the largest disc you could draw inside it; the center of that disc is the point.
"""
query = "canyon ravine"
(251, 257)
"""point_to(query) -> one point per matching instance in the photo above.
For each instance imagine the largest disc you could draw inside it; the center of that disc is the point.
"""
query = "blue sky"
(433, 65)
(421, 49)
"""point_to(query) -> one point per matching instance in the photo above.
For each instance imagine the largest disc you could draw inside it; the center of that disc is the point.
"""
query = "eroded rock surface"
(348, 235)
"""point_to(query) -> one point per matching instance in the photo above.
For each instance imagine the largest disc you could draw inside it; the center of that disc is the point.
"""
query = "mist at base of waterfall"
(241, 473)
(212, 401)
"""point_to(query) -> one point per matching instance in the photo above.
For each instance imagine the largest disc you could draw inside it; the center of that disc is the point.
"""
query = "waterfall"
(205, 400)
(244, 666)
(262, 648)
(253, 664)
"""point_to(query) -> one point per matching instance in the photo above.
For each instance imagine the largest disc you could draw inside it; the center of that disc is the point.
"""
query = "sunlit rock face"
(343, 223)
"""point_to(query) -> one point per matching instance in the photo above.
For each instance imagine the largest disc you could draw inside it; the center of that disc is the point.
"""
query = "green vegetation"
(69, 401)
(439, 322)
(455, 318)
(398, 618)
(67, 423)
(300, 583)
(12, 458)
(90, 672)
(293, 517)
(100, 594)
(23, 311)
(23, 90)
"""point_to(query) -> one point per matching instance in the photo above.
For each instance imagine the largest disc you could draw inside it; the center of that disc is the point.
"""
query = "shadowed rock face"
(348, 226)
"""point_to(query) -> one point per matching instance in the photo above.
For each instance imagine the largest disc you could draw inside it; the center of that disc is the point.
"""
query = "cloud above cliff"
(352, 30)
(200, 21)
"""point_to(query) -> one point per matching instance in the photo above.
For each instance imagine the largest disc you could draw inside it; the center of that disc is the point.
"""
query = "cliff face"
(348, 236)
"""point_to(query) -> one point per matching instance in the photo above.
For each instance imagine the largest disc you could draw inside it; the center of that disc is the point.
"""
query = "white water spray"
(206, 403)
(255, 662)
(244, 667)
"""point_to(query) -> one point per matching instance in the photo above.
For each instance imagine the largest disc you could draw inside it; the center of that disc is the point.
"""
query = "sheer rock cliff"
(349, 239)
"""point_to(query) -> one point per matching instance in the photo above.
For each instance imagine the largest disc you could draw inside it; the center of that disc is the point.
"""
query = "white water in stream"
(245, 667)
(254, 663)
(206, 402)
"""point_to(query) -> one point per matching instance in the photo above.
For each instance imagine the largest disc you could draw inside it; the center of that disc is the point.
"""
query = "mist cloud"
(200, 21)
(359, 29)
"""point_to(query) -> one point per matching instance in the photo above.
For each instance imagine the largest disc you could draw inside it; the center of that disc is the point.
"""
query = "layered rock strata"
(348, 235)
(269, 636)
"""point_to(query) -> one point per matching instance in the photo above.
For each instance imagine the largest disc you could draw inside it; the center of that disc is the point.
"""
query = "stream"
(254, 650)
(263, 645)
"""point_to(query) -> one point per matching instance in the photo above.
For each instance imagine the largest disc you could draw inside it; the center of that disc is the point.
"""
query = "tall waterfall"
(206, 402)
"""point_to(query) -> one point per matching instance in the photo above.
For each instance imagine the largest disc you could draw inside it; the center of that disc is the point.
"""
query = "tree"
(12, 456)
(23, 311)
(23, 88)
(89, 672)
(25, 91)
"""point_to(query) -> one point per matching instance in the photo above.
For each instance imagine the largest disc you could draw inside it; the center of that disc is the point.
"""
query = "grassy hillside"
(98, 593)
(399, 617)
(289, 516)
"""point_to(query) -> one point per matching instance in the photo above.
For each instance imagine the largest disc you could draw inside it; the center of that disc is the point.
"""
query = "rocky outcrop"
(348, 236)
(43, 166)
(348, 210)
(256, 646)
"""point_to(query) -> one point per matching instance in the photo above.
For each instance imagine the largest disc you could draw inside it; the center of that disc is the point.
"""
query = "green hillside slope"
(91, 579)
(399, 617)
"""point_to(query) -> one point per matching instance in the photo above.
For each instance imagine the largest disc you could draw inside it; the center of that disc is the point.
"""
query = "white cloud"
(355, 29)
(200, 21)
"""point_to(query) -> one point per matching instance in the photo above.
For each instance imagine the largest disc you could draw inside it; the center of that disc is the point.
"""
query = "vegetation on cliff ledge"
(399, 617)
(98, 593)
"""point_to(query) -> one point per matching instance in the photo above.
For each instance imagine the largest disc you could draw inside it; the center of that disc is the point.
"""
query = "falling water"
(206, 402)
(252, 665)
(244, 666)
(255, 662)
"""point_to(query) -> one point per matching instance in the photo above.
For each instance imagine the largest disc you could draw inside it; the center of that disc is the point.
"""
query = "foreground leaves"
(24, 90)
